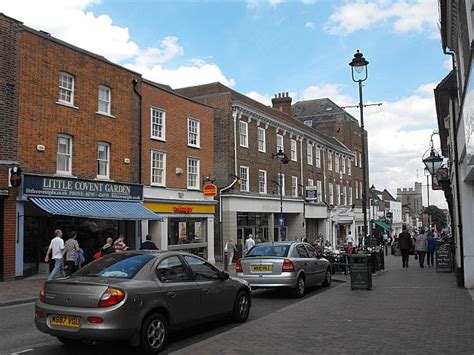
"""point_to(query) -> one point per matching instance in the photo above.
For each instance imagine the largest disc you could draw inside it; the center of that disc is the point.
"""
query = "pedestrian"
(430, 249)
(405, 243)
(56, 247)
(119, 244)
(107, 247)
(230, 249)
(148, 244)
(421, 244)
(72, 248)
(350, 240)
(249, 243)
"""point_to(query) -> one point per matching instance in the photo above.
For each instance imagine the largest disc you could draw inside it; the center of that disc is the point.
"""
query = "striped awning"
(383, 225)
(121, 210)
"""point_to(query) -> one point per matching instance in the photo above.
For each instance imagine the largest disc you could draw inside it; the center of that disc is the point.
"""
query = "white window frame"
(357, 190)
(308, 123)
(262, 181)
(349, 167)
(244, 136)
(294, 186)
(279, 139)
(157, 123)
(360, 160)
(107, 101)
(329, 161)
(344, 194)
(282, 191)
(262, 143)
(338, 194)
(67, 154)
(355, 159)
(106, 160)
(194, 135)
(309, 153)
(66, 90)
(331, 194)
(349, 195)
(319, 189)
(318, 157)
(361, 194)
(310, 182)
(336, 163)
(343, 165)
(244, 178)
(197, 173)
(162, 169)
(294, 150)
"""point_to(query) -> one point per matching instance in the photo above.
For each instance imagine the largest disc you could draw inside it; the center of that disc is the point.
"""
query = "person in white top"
(249, 243)
(350, 240)
(56, 247)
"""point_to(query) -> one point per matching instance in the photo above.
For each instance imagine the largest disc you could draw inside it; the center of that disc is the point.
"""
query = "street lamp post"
(283, 160)
(359, 74)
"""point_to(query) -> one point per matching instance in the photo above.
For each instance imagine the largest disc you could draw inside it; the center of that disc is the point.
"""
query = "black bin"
(361, 271)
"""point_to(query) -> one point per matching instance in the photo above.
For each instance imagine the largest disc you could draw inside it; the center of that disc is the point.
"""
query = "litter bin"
(361, 271)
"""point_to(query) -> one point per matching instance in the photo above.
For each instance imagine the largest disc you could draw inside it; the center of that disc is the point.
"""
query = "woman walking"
(421, 243)
(432, 244)
(230, 249)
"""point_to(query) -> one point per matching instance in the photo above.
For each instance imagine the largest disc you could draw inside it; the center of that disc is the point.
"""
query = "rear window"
(269, 250)
(117, 265)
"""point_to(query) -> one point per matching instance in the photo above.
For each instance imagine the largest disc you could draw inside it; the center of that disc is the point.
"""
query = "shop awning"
(120, 210)
(383, 225)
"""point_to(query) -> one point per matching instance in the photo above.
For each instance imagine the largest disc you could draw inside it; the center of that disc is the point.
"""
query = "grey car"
(139, 297)
(293, 265)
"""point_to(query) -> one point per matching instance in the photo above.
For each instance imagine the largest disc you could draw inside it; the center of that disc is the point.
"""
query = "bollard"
(226, 261)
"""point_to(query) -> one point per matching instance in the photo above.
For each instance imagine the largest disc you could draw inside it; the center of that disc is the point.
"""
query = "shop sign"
(311, 193)
(4, 192)
(182, 209)
(35, 185)
(210, 190)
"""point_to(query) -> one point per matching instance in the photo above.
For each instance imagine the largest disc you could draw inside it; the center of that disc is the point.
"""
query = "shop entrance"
(242, 234)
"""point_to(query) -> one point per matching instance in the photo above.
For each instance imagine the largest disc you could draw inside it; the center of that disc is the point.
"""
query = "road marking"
(22, 352)
(16, 305)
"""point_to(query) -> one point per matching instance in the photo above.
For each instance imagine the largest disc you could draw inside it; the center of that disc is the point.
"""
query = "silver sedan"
(294, 265)
(139, 297)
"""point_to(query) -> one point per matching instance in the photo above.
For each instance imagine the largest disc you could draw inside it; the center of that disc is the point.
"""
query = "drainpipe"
(135, 83)
(302, 184)
(234, 115)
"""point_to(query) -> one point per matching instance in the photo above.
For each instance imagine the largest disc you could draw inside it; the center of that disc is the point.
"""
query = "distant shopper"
(72, 248)
(249, 244)
(108, 247)
(430, 249)
(230, 249)
(350, 239)
(119, 244)
(421, 244)
(405, 243)
(56, 247)
(148, 244)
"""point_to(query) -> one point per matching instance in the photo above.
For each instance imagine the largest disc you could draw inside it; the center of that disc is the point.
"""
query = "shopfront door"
(242, 234)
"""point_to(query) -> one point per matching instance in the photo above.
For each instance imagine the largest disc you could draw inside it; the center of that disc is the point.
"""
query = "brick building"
(247, 136)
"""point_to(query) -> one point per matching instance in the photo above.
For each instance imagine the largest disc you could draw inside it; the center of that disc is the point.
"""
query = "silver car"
(139, 297)
(294, 265)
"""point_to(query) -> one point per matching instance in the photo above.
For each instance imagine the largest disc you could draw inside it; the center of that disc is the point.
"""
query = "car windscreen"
(269, 250)
(117, 265)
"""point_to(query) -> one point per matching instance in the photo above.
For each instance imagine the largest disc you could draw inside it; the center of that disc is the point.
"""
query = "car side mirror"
(225, 275)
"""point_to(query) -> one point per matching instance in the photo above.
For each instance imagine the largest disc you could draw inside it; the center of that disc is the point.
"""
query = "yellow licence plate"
(264, 268)
(65, 321)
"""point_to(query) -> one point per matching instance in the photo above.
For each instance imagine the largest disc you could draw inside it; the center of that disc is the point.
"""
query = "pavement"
(21, 291)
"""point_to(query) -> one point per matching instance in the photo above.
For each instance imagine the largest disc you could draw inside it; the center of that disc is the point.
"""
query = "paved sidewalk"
(21, 291)
(410, 310)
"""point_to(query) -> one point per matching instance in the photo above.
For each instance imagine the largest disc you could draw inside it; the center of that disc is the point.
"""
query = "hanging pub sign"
(311, 193)
(47, 186)
(15, 176)
(209, 190)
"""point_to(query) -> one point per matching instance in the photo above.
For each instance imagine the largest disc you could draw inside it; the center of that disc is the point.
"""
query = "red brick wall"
(178, 110)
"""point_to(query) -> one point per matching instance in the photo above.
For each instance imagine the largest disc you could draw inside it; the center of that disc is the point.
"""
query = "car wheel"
(327, 278)
(154, 333)
(299, 289)
(68, 341)
(241, 307)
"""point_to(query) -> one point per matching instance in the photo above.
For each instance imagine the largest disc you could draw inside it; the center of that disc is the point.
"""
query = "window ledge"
(158, 139)
(104, 178)
(66, 104)
(194, 146)
(65, 175)
(157, 185)
(194, 188)
(244, 146)
(105, 114)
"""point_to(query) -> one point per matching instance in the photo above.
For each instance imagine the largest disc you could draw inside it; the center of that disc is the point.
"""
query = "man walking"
(148, 244)
(249, 243)
(72, 248)
(421, 244)
(405, 243)
(56, 247)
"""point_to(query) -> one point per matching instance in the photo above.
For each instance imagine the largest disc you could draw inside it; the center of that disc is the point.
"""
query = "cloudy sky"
(261, 47)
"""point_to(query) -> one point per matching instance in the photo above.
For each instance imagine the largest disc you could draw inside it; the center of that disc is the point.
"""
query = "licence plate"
(261, 268)
(65, 321)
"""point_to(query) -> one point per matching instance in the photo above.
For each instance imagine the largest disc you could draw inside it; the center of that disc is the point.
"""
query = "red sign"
(210, 190)
(182, 209)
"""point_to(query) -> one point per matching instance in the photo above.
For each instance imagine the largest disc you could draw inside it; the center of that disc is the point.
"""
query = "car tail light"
(111, 297)
(288, 266)
(238, 266)
(41, 295)
(39, 314)
(95, 320)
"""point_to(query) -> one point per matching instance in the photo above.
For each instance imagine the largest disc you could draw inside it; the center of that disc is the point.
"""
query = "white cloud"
(309, 25)
(448, 63)
(262, 98)
(332, 91)
(73, 22)
(418, 16)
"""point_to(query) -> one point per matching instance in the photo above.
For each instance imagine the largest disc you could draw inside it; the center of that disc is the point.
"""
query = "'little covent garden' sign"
(34, 185)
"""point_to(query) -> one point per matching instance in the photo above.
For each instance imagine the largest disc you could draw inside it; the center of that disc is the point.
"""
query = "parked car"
(293, 265)
(139, 297)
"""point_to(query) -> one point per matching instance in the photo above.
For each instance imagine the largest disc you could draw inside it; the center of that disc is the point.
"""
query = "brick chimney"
(282, 102)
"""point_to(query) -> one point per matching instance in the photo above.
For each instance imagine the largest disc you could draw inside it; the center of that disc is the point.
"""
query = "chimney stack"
(282, 102)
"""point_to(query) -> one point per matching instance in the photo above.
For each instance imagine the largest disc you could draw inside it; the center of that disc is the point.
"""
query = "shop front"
(186, 224)
(342, 225)
(95, 210)
(316, 222)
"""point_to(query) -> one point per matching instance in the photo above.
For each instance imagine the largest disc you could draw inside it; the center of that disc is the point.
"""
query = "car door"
(306, 263)
(318, 264)
(177, 287)
(217, 295)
